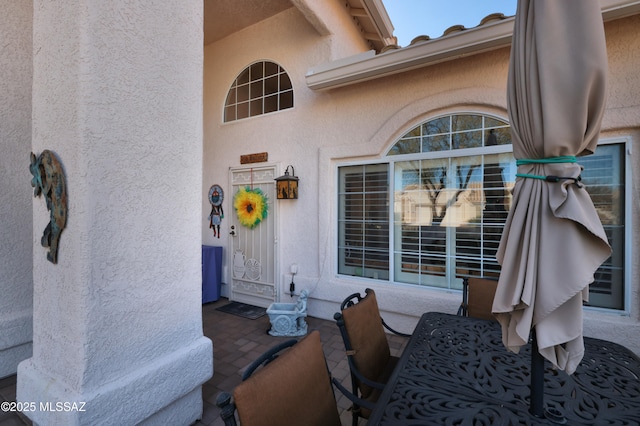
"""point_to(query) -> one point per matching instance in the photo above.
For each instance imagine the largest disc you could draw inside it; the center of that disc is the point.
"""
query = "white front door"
(252, 251)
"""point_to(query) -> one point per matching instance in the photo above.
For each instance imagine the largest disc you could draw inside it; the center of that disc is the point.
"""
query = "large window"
(449, 215)
(261, 88)
(433, 212)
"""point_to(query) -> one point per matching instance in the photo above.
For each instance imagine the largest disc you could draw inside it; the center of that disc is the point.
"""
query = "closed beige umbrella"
(553, 240)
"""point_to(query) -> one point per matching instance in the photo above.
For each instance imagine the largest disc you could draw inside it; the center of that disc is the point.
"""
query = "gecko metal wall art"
(49, 180)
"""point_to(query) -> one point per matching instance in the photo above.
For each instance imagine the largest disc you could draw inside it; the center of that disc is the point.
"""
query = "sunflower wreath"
(251, 206)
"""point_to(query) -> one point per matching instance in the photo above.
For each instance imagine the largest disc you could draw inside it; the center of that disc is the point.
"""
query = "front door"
(252, 250)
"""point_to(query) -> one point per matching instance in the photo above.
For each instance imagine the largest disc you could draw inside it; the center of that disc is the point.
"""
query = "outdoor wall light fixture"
(292, 286)
(287, 185)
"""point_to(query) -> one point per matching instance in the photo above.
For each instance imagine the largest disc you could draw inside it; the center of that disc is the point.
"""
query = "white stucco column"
(117, 329)
(16, 283)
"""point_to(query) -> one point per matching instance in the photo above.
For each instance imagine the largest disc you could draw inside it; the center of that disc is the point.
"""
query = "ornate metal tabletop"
(456, 371)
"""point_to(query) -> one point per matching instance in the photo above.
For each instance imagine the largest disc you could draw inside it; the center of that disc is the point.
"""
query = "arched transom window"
(261, 88)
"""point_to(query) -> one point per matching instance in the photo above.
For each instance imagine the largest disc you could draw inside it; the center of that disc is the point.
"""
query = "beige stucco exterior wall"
(16, 282)
(289, 40)
(362, 121)
(117, 95)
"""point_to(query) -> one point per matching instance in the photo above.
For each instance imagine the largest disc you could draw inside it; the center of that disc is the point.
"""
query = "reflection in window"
(450, 210)
(450, 214)
(261, 88)
(433, 211)
(453, 132)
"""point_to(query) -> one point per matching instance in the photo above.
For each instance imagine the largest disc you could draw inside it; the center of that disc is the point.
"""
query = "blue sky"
(412, 18)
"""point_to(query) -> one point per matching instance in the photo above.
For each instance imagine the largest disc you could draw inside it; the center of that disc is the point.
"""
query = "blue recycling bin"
(211, 273)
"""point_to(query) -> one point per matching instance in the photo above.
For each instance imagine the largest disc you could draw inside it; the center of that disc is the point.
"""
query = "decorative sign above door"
(259, 157)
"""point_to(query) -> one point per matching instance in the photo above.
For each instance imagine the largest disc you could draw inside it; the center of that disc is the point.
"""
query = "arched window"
(432, 211)
(453, 132)
(261, 88)
(451, 200)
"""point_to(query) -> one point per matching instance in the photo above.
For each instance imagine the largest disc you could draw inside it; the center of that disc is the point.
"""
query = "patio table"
(455, 370)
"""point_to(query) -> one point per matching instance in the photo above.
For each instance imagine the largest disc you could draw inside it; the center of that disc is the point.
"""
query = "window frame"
(338, 221)
(265, 96)
(390, 160)
(456, 283)
(626, 143)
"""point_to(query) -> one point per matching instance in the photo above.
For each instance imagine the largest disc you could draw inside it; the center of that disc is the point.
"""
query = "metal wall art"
(216, 196)
(49, 180)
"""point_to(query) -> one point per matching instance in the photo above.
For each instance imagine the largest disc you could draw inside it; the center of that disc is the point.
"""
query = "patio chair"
(287, 385)
(368, 354)
(477, 297)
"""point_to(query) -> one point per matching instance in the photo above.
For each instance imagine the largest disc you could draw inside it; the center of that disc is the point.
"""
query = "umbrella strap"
(550, 160)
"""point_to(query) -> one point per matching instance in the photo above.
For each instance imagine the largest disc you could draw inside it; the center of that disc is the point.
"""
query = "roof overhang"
(374, 22)
(491, 36)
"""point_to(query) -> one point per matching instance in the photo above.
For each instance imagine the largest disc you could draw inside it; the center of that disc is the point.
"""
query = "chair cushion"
(371, 352)
(294, 389)
(374, 393)
(481, 292)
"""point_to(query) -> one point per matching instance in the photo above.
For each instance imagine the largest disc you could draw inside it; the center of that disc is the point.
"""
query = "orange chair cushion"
(371, 355)
(294, 389)
(481, 292)
(374, 393)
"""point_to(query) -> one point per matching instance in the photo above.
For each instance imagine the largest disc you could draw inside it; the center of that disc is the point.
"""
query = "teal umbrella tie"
(550, 160)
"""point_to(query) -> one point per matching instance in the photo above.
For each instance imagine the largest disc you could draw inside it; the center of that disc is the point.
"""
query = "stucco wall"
(117, 322)
(290, 41)
(16, 283)
(362, 121)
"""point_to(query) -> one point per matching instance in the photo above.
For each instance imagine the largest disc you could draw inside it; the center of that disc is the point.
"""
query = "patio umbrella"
(553, 240)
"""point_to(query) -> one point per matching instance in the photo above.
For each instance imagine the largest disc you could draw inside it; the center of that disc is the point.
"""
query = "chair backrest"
(481, 292)
(369, 345)
(293, 389)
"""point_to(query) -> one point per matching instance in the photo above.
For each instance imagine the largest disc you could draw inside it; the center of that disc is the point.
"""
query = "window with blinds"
(434, 211)
(451, 202)
(604, 177)
(449, 217)
(363, 226)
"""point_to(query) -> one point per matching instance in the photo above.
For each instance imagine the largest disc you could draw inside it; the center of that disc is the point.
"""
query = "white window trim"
(390, 160)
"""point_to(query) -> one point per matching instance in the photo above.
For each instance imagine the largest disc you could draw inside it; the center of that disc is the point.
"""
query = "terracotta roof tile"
(489, 19)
